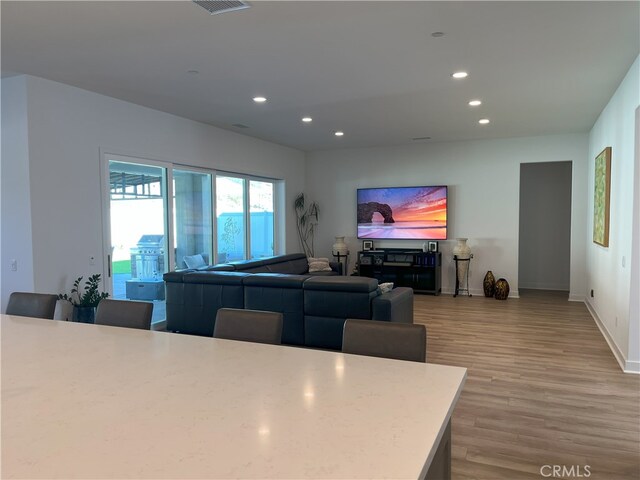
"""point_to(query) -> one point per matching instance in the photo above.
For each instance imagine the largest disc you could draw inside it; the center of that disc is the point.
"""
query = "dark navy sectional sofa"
(314, 306)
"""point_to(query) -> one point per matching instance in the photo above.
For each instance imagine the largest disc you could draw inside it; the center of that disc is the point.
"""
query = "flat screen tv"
(408, 213)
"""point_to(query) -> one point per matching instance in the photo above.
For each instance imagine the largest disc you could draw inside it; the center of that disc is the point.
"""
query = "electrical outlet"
(92, 260)
(592, 293)
(14, 265)
(624, 261)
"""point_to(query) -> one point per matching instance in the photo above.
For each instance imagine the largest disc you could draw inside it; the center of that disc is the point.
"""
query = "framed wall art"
(601, 195)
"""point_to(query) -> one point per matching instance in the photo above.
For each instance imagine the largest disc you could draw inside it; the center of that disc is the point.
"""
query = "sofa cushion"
(175, 277)
(323, 332)
(221, 267)
(284, 258)
(295, 263)
(194, 261)
(339, 297)
(279, 293)
(216, 278)
(192, 305)
(342, 284)
(247, 265)
(279, 280)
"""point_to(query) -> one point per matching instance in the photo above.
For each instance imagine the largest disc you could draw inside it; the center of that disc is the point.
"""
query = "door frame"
(105, 156)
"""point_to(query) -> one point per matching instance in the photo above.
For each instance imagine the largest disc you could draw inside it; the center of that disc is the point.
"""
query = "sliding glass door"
(211, 218)
(192, 218)
(138, 232)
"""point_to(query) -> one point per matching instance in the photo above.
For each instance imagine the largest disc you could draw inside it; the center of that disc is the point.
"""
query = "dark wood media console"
(413, 268)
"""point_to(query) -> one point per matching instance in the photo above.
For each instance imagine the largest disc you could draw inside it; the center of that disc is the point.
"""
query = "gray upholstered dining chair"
(248, 325)
(400, 341)
(124, 313)
(25, 304)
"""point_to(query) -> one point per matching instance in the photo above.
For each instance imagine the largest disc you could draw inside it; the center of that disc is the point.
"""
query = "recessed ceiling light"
(259, 99)
(307, 119)
(437, 34)
(193, 72)
(475, 103)
(339, 134)
(483, 121)
(460, 75)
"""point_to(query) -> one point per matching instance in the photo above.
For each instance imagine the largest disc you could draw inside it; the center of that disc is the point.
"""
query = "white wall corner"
(574, 297)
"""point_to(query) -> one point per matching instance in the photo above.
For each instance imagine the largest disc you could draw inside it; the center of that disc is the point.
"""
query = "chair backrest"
(249, 325)
(124, 313)
(39, 305)
(401, 341)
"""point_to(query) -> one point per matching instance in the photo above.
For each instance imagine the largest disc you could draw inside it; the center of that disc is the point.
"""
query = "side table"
(345, 263)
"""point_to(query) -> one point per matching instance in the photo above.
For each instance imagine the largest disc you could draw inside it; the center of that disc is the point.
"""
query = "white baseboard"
(545, 286)
(577, 298)
(476, 292)
(632, 367)
(625, 365)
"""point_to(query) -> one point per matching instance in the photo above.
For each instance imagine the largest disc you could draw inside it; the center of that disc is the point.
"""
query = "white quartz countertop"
(89, 401)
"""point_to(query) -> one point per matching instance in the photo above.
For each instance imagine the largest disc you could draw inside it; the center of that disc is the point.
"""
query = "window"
(230, 218)
(261, 218)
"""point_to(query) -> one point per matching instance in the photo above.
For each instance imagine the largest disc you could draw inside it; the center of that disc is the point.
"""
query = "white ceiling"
(371, 69)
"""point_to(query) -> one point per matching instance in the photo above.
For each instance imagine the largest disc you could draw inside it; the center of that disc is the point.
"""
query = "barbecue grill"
(147, 258)
(147, 266)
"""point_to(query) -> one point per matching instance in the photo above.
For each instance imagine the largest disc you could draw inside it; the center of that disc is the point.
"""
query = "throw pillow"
(194, 261)
(318, 265)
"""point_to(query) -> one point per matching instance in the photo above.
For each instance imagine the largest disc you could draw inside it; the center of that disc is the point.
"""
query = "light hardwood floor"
(543, 388)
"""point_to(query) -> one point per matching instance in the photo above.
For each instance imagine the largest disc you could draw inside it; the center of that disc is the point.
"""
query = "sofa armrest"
(336, 267)
(394, 306)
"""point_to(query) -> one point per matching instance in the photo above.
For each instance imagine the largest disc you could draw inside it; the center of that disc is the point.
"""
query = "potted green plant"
(85, 299)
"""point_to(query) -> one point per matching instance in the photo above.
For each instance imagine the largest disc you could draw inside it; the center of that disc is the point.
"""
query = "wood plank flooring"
(543, 388)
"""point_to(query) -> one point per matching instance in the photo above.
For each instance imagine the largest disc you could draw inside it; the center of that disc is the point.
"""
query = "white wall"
(545, 226)
(483, 179)
(609, 269)
(634, 297)
(67, 129)
(15, 208)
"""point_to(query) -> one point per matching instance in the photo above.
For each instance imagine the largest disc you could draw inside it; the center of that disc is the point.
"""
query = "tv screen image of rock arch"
(403, 213)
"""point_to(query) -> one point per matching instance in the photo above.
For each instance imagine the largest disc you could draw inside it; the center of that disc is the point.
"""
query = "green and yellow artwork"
(602, 187)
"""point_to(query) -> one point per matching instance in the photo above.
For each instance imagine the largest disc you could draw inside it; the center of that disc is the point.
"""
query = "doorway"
(545, 226)
(138, 240)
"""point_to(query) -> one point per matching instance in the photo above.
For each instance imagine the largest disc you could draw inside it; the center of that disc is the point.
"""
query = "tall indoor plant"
(306, 221)
(85, 299)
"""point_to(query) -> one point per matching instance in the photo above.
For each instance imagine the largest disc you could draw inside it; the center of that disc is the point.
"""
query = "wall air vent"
(216, 7)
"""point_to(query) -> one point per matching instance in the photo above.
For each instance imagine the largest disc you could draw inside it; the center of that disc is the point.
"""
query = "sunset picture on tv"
(403, 213)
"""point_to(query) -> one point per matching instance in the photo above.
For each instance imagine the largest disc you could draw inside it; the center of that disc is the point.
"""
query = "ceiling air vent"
(214, 7)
